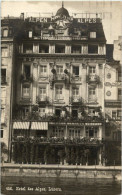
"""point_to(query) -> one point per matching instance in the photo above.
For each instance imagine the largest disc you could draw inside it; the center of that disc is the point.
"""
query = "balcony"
(92, 100)
(25, 100)
(93, 79)
(26, 78)
(76, 100)
(58, 77)
(75, 79)
(57, 140)
(41, 99)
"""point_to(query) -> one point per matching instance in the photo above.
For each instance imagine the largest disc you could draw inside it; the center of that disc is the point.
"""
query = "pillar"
(100, 156)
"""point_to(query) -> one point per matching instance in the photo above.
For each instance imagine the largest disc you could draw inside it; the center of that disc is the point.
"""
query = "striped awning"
(21, 125)
(39, 126)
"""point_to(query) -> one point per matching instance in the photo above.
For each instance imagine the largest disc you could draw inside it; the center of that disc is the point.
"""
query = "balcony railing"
(42, 98)
(25, 100)
(93, 78)
(54, 140)
(26, 78)
(35, 116)
(75, 99)
(75, 78)
(92, 100)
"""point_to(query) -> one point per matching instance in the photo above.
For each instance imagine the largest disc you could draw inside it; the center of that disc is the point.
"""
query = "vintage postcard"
(61, 76)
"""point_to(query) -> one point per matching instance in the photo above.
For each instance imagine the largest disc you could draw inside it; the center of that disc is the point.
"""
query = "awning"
(21, 125)
(39, 126)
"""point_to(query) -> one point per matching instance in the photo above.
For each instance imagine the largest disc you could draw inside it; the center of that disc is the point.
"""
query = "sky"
(111, 12)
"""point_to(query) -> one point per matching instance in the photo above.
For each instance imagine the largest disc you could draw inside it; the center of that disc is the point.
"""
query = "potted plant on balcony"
(53, 71)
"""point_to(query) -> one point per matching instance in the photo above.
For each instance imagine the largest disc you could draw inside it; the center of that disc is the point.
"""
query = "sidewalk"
(5, 165)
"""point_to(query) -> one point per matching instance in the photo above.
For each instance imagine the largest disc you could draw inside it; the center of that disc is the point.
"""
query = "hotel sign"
(113, 104)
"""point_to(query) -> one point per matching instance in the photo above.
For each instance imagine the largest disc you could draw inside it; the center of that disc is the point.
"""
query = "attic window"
(30, 34)
(93, 35)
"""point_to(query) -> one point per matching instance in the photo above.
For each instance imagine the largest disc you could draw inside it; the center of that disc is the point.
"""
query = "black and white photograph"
(61, 92)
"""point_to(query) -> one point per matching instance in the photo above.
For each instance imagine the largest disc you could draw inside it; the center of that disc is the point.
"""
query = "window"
(27, 71)
(43, 48)
(101, 49)
(93, 49)
(92, 94)
(108, 75)
(74, 133)
(76, 70)
(92, 70)
(26, 91)
(119, 76)
(119, 94)
(2, 115)
(41, 111)
(5, 32)
(3, 95)
(3, 76)
(59, 132)
(59, 92)
(28, 48)
(30, 34)
(43, 70)
(92, 34)
(92, 132)
(76, 48)
(91, 91)
(75, 92)
(114, 114)
(42, 92)
(1, 133)
(59, 48)
(59, 69)
(4, 52)
(25, 112)
(119, 114)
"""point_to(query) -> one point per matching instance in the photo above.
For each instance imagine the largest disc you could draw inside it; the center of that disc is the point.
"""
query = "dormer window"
(30, 34)
(93, 35)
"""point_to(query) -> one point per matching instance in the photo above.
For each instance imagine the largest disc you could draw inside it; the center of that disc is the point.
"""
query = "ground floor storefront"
(73, 154)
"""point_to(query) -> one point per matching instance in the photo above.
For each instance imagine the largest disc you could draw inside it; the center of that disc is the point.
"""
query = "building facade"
(58, 111)
(113, 98)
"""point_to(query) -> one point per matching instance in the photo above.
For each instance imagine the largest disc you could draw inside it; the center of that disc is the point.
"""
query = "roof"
(62, 12)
